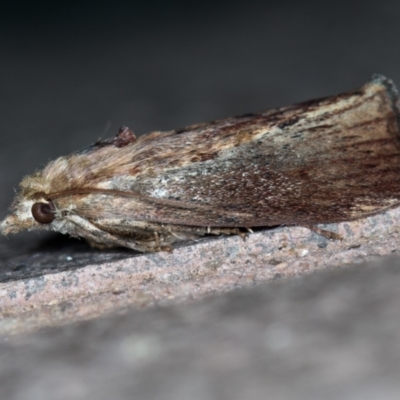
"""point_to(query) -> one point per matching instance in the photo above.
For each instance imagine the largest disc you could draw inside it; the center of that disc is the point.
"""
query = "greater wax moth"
(322, 161)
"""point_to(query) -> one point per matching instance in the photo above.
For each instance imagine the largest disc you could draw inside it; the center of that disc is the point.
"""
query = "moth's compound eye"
(43, 212)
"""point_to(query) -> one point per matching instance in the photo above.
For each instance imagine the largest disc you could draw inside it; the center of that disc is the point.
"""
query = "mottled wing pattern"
(322, 161)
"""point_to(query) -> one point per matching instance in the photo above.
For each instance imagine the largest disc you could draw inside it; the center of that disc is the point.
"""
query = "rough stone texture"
(329, 335)
(113, 281)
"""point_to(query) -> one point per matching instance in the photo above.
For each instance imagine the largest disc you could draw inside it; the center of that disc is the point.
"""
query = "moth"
(321, 161)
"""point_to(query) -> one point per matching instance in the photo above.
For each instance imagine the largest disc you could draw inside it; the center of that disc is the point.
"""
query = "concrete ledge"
(332, 335)
(188, 273)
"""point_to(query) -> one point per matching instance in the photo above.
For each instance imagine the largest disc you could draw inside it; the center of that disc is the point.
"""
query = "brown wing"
(323, 161)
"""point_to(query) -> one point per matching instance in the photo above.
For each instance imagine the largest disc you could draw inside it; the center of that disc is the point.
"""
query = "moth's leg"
(159, 247)
(193, 232)
(324, 232)
(157, 239)
(143, 236)
(227, 231)
(99, 237)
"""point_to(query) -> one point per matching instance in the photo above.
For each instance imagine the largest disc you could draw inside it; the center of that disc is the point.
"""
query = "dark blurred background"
(72, 72)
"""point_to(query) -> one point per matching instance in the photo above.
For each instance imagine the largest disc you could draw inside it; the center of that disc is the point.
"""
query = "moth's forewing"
(322, 161)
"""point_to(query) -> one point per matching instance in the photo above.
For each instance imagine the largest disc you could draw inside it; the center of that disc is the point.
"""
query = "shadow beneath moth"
(322, 161)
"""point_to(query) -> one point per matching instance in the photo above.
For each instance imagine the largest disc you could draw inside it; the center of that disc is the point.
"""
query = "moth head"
(31, 208)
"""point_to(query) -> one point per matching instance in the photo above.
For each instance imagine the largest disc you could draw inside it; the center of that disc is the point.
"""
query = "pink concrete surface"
(191, 272)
